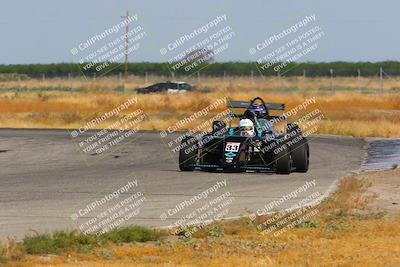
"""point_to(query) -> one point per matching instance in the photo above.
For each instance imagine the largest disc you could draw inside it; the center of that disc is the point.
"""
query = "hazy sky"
(45, 31)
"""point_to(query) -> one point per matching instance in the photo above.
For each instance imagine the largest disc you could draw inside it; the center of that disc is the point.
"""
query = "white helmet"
(246, 127)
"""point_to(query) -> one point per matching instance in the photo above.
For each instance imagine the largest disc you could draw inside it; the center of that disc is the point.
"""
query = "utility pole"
(278, 73)
(381, 78)
(359, 80)
(331, 71)
(69, 79)
(19, 82)
(126, 17)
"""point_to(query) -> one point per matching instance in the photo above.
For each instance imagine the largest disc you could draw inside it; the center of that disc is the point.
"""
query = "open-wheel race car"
(254, 145)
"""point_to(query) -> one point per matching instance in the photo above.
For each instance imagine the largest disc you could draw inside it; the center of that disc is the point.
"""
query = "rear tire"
(284, 162)
(301, 155)
(188, 154)
(299, 148)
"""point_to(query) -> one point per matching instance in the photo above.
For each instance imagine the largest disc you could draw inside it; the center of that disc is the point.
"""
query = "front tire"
(283, 161)
(299, 148)
(301, 155)
(188, 154)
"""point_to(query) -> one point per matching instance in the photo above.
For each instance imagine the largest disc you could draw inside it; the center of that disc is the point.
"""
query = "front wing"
(232, 151)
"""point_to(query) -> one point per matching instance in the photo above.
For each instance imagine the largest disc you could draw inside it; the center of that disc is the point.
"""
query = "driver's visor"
(246, 128)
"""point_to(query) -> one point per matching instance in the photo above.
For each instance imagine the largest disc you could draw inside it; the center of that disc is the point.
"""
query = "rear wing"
(240, 115)
(241, 104)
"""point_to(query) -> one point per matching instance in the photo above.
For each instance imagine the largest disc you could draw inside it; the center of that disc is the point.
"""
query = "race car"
(254, 145)
(167, 87)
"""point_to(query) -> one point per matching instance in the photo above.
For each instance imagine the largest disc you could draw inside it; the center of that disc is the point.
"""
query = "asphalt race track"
(45, 179)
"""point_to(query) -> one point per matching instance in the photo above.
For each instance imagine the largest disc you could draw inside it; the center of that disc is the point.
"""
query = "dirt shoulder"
(385, 185)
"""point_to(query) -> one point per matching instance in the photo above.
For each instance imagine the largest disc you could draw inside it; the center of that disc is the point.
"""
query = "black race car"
(168, 87)
(235, 149)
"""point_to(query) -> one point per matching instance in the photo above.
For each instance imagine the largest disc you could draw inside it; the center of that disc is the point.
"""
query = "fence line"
(364, 84)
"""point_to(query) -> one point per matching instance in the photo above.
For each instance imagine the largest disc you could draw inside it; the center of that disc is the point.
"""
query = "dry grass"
(340, 235)
(346, 113)
(239, 82)
(373, 242)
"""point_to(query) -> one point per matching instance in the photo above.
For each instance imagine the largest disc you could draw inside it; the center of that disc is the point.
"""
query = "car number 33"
(232, 147)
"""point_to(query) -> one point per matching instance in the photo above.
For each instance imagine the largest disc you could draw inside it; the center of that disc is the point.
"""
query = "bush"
(215, 232)
(58, 242)
(2, 256)
(334, 226)
(131, 234)
(10, 250)
(307, 224)
(73, 241)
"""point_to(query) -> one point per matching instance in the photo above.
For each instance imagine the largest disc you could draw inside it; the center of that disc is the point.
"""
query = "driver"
(260, 111)
(261, 115)
(246, 128)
